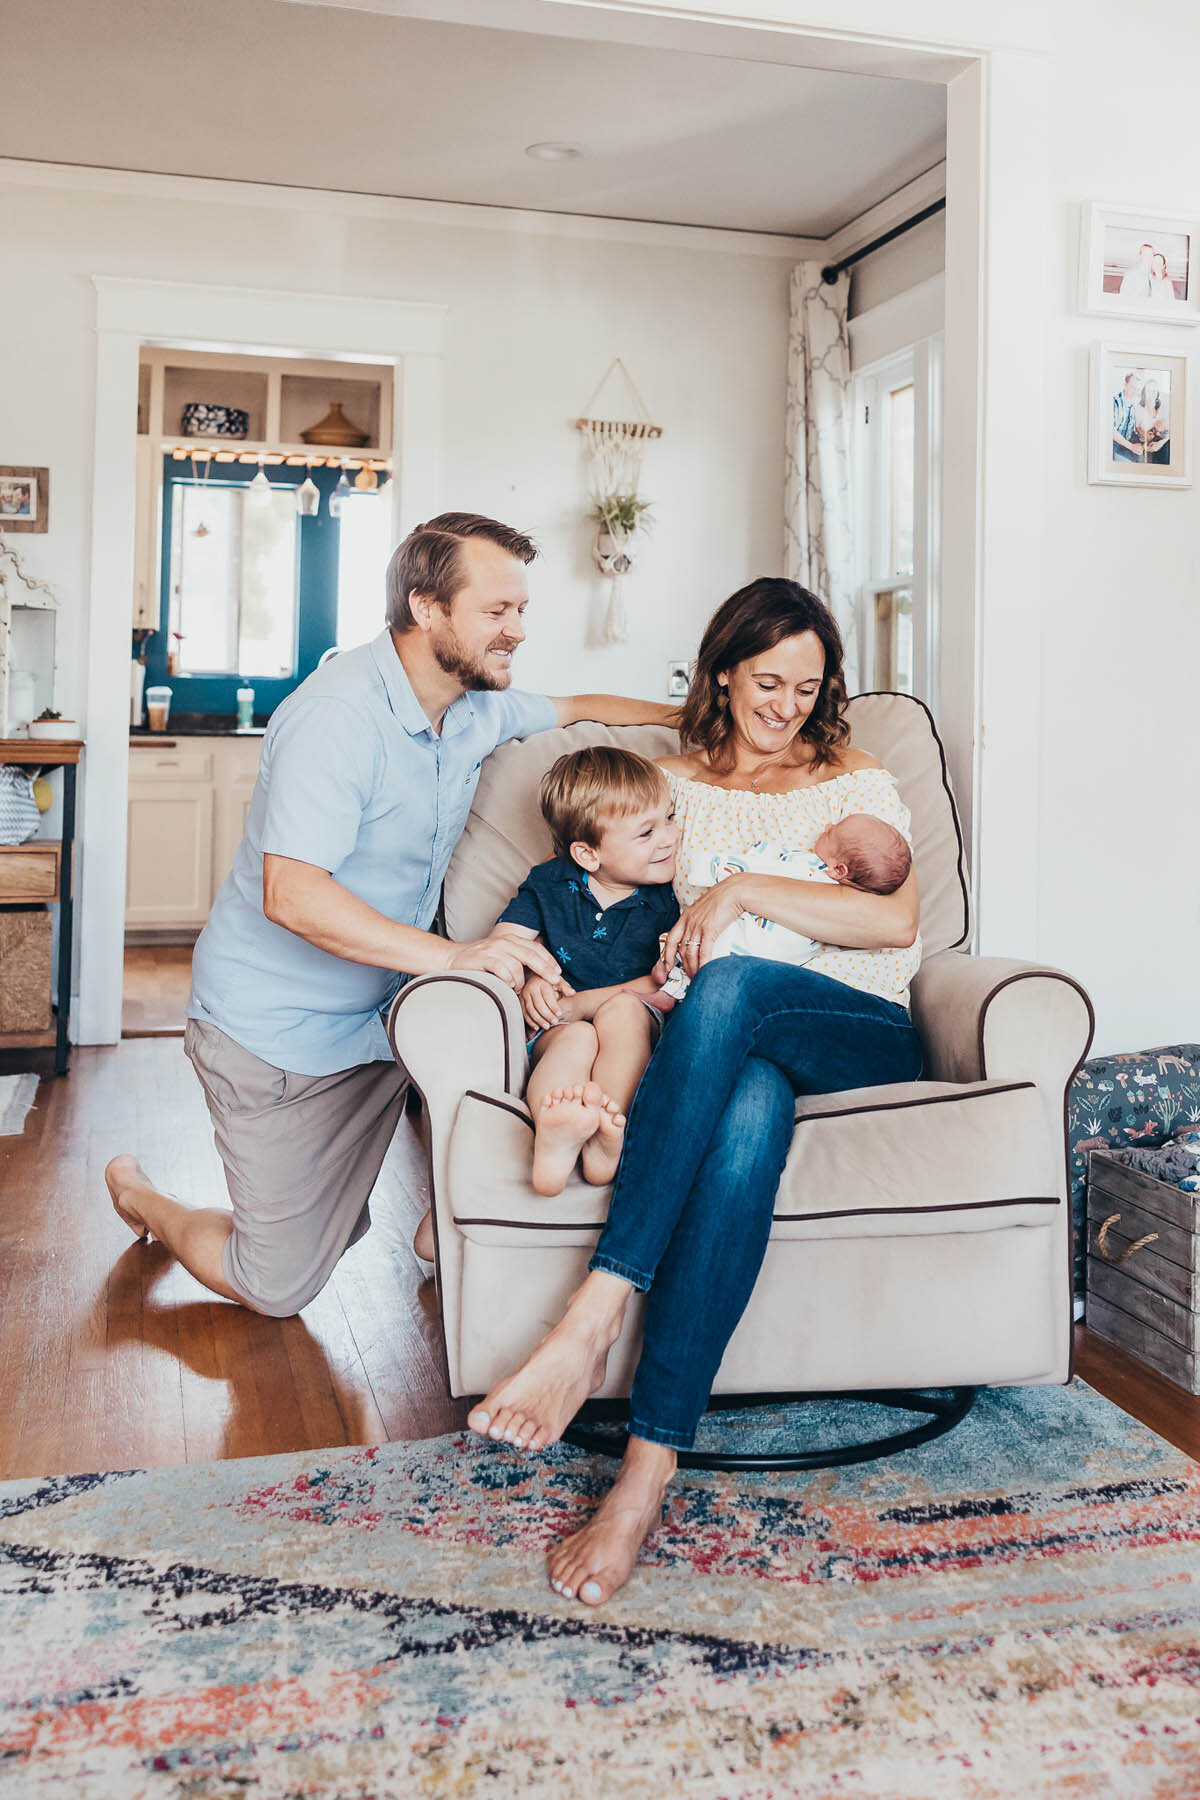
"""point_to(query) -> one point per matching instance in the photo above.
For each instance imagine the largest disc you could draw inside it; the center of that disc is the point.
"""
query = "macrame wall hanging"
(614, 448)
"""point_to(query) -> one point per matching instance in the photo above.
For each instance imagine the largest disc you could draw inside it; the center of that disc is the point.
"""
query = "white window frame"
(920, 364)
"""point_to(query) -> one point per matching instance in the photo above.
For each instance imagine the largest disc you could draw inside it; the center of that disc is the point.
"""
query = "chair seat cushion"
(917, 1158)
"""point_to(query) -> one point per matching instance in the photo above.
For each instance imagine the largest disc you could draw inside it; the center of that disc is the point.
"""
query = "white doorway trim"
(244, 320)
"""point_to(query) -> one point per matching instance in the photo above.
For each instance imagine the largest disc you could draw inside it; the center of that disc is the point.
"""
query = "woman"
(765, 754)
(1161, 286)
(1151, 427)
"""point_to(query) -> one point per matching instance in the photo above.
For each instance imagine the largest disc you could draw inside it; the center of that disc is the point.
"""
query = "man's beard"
(451, 655)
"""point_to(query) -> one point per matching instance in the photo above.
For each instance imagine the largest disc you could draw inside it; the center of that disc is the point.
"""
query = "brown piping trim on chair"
(882, 693)
(461, 981)
(873, 1212)
(500, 1105)
(536, 1224)
(849, 1112)
(1053, 975)
(853, 1212)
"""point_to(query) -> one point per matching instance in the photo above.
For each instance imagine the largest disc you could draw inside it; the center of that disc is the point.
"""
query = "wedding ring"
(690, 943)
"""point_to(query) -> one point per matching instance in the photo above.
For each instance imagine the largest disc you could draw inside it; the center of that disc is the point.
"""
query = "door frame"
(185, 315)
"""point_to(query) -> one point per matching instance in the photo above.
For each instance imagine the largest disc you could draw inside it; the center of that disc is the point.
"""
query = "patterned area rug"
(1012, 1611)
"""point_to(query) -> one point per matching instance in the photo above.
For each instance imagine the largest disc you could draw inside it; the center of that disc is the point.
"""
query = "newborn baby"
(859, 851)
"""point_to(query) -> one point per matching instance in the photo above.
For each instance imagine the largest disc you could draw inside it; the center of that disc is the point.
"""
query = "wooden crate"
(1144, 1295)
(25, 971)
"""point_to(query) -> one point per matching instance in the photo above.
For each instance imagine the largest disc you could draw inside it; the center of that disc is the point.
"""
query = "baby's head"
(863, 852)
(610, 811)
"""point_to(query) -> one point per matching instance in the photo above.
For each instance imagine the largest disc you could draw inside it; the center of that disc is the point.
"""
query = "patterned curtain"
(819, 543)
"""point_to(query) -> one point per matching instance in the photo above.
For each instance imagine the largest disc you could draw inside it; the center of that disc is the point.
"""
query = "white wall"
(534, 317)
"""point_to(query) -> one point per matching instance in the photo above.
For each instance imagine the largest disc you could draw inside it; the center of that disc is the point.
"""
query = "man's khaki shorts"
(301, 1155)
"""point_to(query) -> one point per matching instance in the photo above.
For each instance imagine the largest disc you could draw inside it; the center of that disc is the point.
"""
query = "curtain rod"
(831, 271)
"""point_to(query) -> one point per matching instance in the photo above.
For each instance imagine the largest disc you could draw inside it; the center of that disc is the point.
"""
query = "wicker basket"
(25, 970)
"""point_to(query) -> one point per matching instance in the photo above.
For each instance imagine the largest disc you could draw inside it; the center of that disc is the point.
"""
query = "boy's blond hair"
(585, 787)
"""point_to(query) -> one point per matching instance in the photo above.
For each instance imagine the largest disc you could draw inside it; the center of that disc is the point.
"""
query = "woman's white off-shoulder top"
(714, 819)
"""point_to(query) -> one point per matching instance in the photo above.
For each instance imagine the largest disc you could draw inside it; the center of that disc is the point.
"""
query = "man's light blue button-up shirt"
(354, 779)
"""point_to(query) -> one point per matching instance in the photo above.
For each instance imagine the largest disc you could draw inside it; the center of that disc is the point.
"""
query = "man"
(365, 782)
(1135, 282)
(1126, 447)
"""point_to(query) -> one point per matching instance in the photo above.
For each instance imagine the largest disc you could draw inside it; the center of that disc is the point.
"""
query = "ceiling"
(323, 97)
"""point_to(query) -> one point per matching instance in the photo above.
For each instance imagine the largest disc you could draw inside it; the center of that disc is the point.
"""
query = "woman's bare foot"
(601, 1154)
(563, 1123)
(534, 1407)
(123, 1176)
(424, 1243)
(598, 1560)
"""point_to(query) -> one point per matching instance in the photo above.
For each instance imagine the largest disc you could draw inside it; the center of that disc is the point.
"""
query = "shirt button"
(599, 915)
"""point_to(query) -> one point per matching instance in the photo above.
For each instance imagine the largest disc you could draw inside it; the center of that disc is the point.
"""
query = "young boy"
(600, 906)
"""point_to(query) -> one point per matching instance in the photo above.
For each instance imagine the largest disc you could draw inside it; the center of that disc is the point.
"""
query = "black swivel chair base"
(944, 1410)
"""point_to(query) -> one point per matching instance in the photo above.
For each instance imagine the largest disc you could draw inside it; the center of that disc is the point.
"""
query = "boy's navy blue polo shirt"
(594, 946)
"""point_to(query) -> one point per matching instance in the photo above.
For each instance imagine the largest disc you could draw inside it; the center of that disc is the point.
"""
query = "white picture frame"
(1139, 426)
(1123, 248)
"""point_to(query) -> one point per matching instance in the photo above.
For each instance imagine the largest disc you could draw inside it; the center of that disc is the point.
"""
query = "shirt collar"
(404, 703)
(571, 872)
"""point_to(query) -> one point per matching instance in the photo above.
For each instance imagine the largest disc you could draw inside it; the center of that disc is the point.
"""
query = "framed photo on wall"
(1139, 430)
(1136, 265)
(24, 499)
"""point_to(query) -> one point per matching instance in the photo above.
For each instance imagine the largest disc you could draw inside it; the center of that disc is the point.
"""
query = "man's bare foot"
(563, 1123)
(123, 1175)
(534, 1407)
(601, 1154)
(424, 1243)
(598, 1560)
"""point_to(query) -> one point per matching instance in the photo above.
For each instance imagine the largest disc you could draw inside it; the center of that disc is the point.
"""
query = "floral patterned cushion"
(1141, 1097)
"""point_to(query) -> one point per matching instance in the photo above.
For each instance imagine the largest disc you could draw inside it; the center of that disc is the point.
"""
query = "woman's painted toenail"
(590, 1590)
(567, 1593)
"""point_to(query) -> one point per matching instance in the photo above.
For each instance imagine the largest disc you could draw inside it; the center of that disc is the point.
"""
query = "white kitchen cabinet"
(237, 766)
(168, 874)
(188, 801)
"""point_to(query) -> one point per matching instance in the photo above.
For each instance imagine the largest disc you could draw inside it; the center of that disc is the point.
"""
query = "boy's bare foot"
(423, 1243)
(563, 1123)
(601, 1154)
(598, 1560)
(123, 1176)
(534, 1407)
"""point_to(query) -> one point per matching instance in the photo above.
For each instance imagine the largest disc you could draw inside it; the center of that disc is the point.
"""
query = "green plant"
(622, 514)
(47, 713)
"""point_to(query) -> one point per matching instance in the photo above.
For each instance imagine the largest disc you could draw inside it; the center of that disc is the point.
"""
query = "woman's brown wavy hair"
(755, 619)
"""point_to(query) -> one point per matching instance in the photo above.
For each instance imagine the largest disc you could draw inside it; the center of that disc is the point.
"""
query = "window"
(253, 590)
(897, 450)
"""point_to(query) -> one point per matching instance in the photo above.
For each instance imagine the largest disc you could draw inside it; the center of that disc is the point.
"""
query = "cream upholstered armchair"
(922, 1234)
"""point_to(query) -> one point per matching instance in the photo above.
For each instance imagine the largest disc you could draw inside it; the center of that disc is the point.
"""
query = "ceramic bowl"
(60, 730)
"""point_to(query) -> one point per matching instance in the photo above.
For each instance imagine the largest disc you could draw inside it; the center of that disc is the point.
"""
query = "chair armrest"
(458, 1030)
(990, 1018)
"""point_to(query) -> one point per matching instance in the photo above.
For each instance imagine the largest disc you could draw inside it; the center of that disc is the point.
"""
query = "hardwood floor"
(111, 1357)
(155, 989)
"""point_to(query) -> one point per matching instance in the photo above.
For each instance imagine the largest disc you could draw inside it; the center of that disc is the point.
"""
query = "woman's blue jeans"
(708, 1135)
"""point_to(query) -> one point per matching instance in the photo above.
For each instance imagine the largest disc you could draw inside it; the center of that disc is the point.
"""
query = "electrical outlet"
(678, 679)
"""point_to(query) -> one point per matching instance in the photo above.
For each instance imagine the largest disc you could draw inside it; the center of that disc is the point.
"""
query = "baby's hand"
(541, 1002)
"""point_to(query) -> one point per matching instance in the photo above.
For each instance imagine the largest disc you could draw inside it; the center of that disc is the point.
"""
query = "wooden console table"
(42, 871)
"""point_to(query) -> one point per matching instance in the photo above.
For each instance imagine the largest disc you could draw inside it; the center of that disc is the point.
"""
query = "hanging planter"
(615, 448)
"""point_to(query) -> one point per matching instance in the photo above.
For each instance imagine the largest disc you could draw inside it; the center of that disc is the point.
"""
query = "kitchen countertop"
(197, 725)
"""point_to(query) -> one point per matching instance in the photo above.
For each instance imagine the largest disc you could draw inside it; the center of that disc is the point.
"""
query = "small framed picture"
(24, 499)
(1136, 265)
(1139, 429)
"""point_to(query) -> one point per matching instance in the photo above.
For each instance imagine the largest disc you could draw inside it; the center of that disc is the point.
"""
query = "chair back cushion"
(505, 833)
